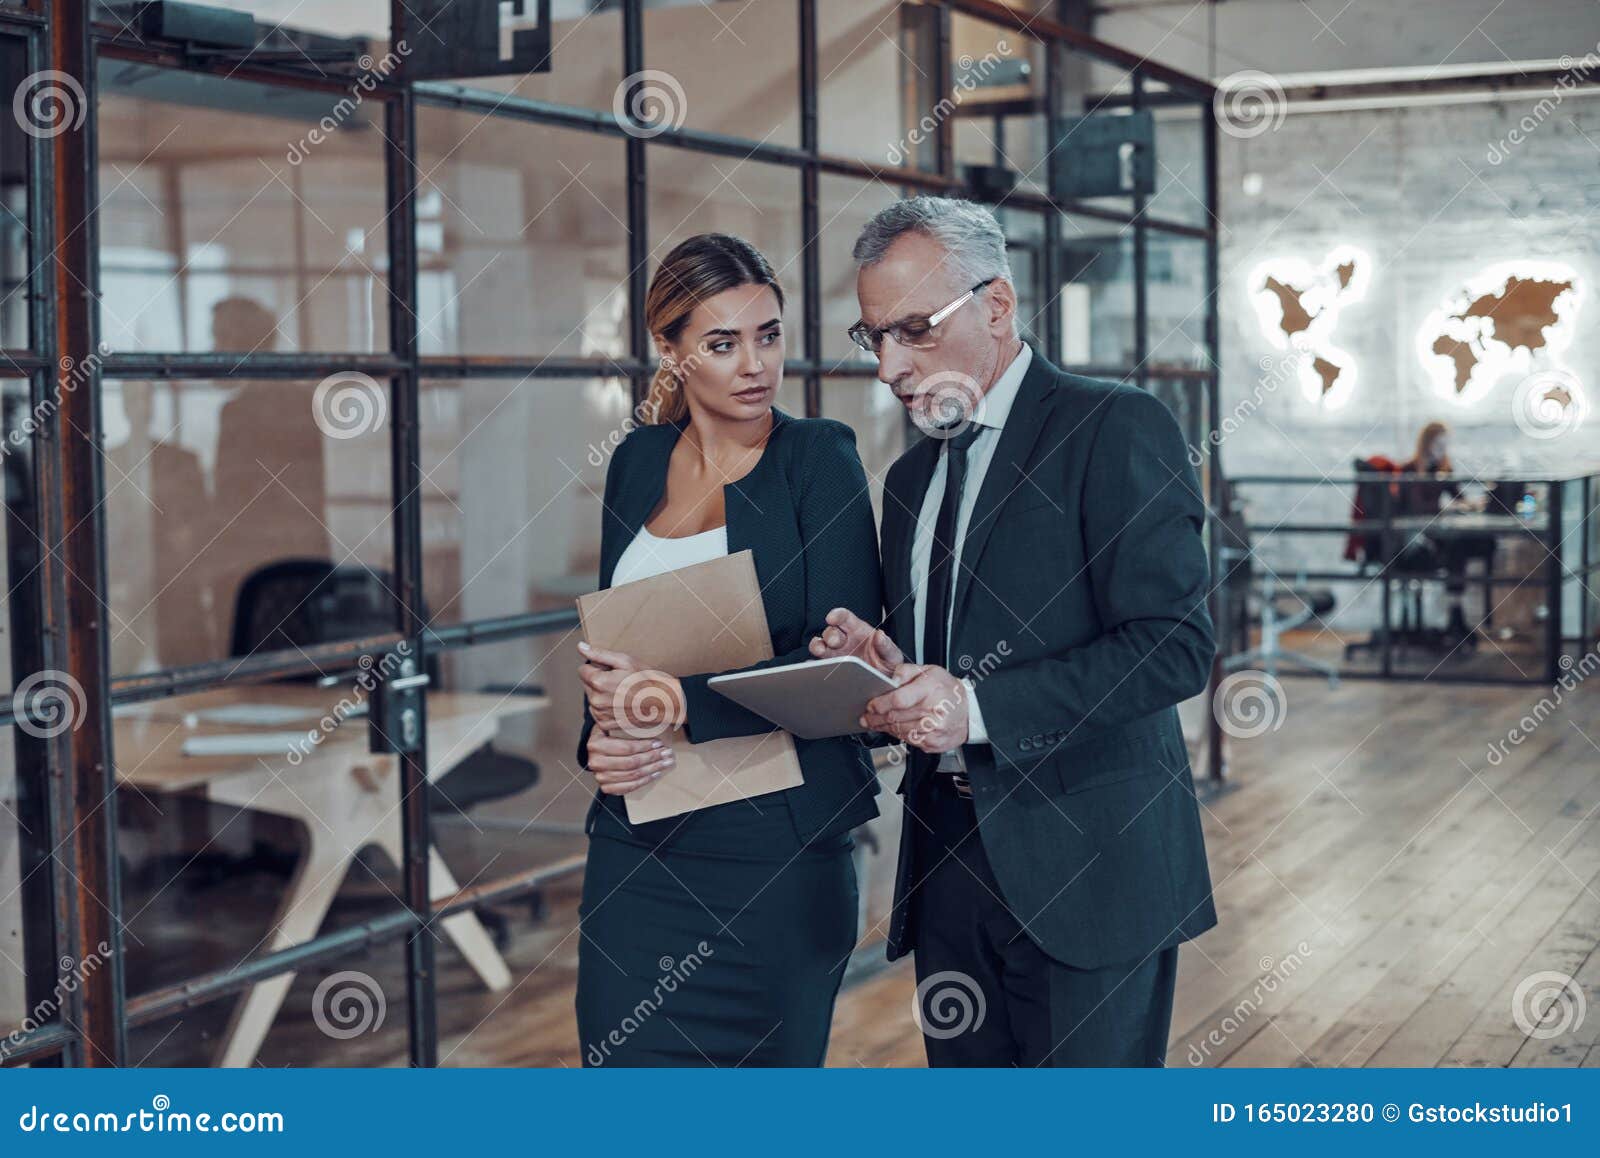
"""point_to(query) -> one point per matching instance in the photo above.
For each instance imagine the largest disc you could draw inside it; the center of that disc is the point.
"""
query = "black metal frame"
(77, 804)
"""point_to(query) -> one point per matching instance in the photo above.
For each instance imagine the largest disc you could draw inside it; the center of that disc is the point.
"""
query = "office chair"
(300, 602)
(1376, 552)
(1280, 606)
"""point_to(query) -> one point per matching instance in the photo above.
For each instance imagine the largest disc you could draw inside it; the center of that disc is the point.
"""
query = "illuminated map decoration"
(1549, 404)
(1513, 318)
(1298, 305)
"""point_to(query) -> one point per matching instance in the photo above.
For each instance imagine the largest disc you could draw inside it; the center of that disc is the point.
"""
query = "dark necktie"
(941, 567)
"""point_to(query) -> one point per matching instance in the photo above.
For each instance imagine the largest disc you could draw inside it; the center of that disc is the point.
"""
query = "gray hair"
(969, 233)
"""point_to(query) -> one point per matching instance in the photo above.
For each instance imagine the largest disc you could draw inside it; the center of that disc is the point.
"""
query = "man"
(1044, 542)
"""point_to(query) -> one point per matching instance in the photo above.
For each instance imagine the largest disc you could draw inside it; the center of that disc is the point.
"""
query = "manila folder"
(703, 618)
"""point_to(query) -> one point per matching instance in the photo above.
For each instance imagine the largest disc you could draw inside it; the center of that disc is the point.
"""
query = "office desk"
(1561, 536)
(346, 797)
(1449, 524)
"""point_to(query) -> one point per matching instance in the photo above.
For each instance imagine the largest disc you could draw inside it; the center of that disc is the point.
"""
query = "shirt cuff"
(976, 732)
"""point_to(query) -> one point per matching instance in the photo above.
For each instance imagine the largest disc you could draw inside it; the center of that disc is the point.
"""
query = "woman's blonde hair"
(695, 271)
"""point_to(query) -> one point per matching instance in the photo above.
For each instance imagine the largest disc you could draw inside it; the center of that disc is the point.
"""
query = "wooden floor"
(1518, 655)
(1383, 889)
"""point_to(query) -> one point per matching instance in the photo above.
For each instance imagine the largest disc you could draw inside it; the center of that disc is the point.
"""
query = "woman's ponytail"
(664, 401)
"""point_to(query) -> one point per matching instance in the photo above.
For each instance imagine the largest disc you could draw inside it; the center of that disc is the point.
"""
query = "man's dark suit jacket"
(1080, 613)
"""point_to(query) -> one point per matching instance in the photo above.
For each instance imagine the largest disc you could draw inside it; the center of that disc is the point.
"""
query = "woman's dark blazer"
(805, 513)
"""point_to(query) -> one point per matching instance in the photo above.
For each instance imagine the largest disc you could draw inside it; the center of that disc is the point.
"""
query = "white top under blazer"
(651, 555)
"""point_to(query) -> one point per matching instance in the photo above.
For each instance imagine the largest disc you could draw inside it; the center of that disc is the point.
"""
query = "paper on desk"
(703, 618)
(242, 743)
(263, 715)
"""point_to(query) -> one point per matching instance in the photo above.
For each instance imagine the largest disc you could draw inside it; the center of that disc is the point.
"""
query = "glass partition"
(360, 378)
(223, 496)
(233, 219)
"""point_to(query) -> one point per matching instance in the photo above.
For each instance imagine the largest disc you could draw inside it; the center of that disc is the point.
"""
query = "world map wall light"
(1549, 404)
(1515, 317)
(1298, 305)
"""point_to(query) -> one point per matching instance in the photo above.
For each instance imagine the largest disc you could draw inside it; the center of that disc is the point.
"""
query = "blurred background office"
(316, 456)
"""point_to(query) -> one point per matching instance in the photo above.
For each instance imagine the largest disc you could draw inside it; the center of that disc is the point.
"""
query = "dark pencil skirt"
(715, 939)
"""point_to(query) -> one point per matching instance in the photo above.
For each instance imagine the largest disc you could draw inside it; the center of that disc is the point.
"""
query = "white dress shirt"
(990, 416)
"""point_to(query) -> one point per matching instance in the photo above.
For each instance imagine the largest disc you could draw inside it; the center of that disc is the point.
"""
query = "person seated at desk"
(1431, 548)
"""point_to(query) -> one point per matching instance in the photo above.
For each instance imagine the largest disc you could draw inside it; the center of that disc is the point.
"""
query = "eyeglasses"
(915, 332)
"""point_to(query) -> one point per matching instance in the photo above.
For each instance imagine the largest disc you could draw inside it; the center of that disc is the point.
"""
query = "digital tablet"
(814, 699)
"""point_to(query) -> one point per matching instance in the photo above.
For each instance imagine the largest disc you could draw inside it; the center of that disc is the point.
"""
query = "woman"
(719, 937)
(1432, 459)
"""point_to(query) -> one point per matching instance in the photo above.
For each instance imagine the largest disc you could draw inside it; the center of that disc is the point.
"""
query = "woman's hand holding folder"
(632, 707)
(622, 765)
(625, 697)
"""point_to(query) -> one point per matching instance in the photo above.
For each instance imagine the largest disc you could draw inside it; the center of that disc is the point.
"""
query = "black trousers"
(987, 995)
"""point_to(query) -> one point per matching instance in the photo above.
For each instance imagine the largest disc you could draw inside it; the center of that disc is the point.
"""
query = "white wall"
(1420, 190)
(1289, 36)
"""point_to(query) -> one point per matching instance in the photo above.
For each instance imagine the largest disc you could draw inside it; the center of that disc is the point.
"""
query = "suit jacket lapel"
(1006, 474)
(637, 502)
(634, 503)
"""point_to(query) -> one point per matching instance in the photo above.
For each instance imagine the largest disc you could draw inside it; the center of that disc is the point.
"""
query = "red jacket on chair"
(1357, 545)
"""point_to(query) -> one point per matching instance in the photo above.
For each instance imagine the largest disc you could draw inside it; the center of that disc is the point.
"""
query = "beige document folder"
(703, 618)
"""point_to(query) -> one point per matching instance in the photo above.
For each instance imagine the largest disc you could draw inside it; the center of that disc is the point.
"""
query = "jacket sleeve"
(614, 472)
(841, 568)
(1142, 517)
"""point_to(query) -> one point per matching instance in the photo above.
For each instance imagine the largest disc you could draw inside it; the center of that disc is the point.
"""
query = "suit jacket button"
(1024, 744)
